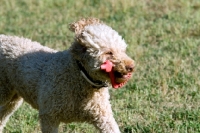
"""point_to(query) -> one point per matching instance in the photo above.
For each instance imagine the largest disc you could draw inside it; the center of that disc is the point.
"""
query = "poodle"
(65, 86)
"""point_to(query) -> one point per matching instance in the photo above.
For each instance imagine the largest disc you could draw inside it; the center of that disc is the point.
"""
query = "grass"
(164, 40)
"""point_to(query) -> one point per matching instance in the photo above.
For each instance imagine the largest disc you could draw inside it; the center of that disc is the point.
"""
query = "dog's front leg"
(104, 121)
(107, 125)
(48, 124)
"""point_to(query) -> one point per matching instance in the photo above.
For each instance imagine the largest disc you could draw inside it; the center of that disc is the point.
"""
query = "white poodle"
(65, 86)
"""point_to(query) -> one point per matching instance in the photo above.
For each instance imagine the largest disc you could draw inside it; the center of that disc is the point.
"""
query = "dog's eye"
(109, 53)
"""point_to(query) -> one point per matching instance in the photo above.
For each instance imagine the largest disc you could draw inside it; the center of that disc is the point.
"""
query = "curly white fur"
(51, 82)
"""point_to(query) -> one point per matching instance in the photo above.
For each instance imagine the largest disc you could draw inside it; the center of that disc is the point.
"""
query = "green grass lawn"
(164, 40)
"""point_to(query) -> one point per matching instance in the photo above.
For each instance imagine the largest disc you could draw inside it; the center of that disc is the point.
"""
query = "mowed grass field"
(163, 37)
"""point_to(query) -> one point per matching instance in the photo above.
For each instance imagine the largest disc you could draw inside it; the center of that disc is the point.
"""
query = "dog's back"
(20, 67)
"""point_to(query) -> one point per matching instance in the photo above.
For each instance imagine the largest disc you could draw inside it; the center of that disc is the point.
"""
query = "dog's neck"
(88, 78)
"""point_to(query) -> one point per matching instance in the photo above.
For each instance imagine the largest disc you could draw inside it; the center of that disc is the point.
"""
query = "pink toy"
(107, 67)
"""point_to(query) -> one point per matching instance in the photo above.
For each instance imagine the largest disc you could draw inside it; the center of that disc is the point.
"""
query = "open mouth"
(117, 79)
(121, 78)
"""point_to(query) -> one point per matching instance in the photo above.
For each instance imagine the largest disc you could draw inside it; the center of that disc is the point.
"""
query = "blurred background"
(163, 37)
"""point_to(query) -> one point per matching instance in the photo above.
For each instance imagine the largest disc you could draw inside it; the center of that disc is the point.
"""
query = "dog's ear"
(80, 35)
(79, 26)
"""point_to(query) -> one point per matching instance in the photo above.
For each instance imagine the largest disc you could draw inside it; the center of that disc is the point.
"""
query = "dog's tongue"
(107, 67)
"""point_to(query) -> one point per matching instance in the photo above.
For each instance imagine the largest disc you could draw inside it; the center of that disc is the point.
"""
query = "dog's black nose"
(130, 67)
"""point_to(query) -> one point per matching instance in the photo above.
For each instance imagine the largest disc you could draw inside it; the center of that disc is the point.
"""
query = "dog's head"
(96, 43)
